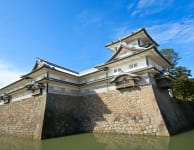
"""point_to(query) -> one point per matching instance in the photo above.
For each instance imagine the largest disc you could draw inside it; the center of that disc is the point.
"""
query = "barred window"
(132, 65)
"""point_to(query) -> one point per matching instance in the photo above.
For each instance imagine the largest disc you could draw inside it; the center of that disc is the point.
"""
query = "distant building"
(127, 94)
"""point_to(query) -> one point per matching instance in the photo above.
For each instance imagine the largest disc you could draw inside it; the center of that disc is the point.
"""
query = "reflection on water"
(184, 141)
(101, 142)
(125, 142)
(13, 143)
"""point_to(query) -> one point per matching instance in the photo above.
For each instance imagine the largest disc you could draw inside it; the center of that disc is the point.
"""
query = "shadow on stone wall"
(91, 110)
(59, 117)
(126, 111)
(187, 108)
(178, 114)
(65, 115)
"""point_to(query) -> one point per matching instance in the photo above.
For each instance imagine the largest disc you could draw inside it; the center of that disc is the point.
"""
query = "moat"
(90, 141)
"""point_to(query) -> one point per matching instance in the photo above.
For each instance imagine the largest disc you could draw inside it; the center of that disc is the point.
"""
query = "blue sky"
(72, 33)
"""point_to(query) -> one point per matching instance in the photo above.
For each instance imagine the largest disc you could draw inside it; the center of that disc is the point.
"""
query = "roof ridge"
(55, 65)
(131, 34)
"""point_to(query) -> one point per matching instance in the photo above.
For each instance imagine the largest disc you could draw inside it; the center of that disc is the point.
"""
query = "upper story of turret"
(136, 40)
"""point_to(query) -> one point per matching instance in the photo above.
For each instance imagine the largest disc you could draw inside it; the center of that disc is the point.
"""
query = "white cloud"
(130, 6)
(8, 73)
(176, 32)
(146, 3)
(87, 18)
(145, 7)
(120, 32)
(181, 32)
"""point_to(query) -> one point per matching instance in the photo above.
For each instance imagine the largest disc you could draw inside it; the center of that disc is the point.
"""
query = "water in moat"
(101, 142)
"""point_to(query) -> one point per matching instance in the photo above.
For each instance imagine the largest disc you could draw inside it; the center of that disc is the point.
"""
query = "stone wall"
(177, 114)
(60, 116)
(143, 110)
(23, 118)
(128, 111)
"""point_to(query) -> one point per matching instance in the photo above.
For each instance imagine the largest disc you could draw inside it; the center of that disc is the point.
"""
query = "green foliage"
(183, 88)
(170, 55)
(181, 71)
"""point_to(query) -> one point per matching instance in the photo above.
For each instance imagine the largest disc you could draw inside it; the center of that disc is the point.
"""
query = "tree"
(170, 55)
(181, 71)
(183, 88)
(173, 58)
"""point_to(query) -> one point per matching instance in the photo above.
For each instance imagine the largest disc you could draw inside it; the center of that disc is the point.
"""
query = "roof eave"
(110, 62)
(132, 34)
(156, 50)
(11, 84)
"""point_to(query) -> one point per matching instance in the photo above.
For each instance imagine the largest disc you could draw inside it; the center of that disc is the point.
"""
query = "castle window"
(117, 70)
(132, 65)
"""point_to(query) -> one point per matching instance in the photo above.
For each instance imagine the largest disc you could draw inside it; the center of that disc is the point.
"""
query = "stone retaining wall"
(60, 116)
(142, 110)
(23, 118)
(128, 111)
(178, 114)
